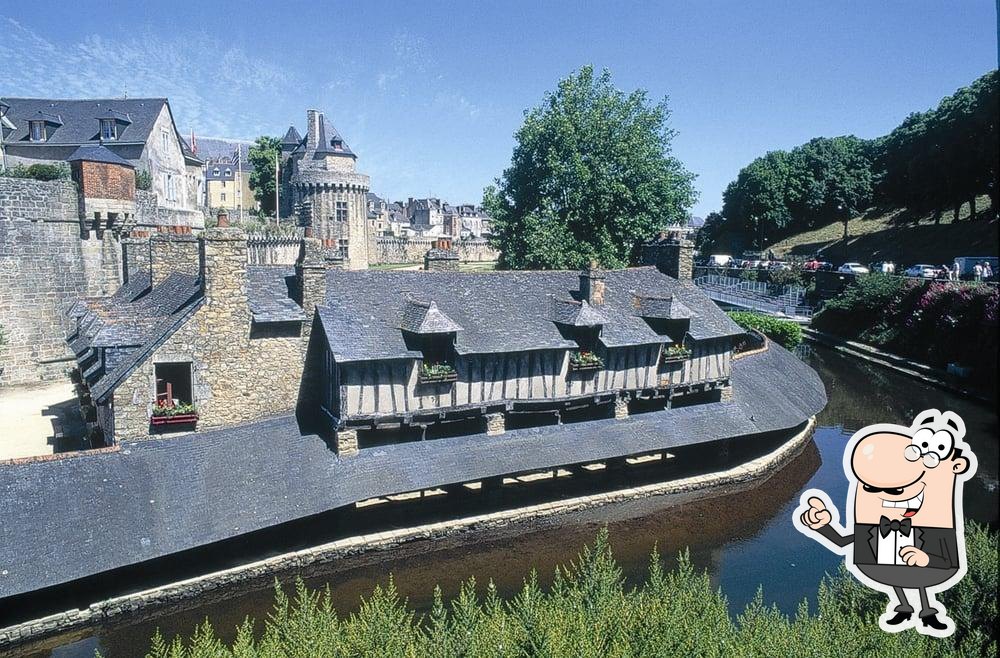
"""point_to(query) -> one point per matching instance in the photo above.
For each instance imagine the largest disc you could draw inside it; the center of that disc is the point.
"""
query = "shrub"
(786, 333)
(143, 180)
(40, 171)
(588, 611)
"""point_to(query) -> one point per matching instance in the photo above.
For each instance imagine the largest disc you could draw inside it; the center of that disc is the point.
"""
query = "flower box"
(584, 361)
(675, 354)
(436, 373)
(179, 419)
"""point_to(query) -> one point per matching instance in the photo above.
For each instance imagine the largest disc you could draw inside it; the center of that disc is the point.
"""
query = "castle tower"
(325, 192)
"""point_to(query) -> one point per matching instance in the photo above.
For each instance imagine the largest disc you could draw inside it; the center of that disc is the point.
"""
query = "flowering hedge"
(933, 322)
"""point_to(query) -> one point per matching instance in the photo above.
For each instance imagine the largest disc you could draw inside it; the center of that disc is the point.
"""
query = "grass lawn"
(898, 236)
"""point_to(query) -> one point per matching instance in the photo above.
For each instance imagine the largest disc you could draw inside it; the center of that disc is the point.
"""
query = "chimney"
(672, 254)
(310, 278)
(441, 257)
(222, 219)
(313, 118)
(592, 284)
(135, 256)
(173, 252)
(224, 280)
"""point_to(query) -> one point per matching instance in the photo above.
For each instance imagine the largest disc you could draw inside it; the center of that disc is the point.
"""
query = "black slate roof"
(130, 323)
(292, 137)
(499, 311)
(98, 154)
(68, 518)
(269, 292)
(79, 118)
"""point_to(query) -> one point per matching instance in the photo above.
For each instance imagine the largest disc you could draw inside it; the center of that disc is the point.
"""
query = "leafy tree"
(143, 180)
(262, 156)
(591, 178)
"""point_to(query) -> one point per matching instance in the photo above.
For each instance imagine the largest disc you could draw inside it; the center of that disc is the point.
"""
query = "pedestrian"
(977, 272)
(945, 272)
(987, 270)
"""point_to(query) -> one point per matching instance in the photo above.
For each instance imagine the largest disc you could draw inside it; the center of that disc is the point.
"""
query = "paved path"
(39, 420)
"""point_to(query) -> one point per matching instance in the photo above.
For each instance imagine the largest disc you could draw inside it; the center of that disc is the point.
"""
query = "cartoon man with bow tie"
(906, 525)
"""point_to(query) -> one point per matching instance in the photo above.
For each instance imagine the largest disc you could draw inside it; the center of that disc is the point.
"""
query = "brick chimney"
(173, 252)
(222, 219)
(310, 278)
(224, 281)
(441, 257)
(671, 253)
(592, 285)
(135, 257)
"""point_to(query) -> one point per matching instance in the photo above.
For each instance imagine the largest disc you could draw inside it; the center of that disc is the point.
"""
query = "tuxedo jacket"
(940, 544)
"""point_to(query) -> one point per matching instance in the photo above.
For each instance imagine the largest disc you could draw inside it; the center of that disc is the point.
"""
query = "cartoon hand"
(913, 556)
(817, 515)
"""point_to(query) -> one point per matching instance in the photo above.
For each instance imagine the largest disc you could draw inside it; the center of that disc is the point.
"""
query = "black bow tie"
(885, 526)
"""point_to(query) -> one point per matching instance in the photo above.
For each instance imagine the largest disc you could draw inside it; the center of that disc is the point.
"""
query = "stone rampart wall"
(44, 267)
(389, 250)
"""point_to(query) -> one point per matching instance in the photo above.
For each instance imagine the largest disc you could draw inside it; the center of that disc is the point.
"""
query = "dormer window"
(428, 330)
(215, 172)
(109, 129)
(229, 172)
(337, 144)
(37, 131)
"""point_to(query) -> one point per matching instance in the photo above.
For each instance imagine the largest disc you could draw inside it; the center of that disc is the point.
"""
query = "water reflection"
(745, 540)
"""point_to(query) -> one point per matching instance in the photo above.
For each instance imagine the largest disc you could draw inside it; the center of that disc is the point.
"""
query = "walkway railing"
(756, 295)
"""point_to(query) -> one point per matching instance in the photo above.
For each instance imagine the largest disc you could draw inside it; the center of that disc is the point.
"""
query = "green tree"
(591, 178)
(262, 155)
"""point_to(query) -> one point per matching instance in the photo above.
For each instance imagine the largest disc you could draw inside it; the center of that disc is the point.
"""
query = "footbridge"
(783, 301)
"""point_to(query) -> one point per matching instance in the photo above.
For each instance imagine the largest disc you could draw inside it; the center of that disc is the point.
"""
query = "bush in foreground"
(40, 171)
(588, 611)
(786, 333)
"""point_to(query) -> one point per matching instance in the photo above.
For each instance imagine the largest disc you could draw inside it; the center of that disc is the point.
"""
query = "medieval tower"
(322, 190)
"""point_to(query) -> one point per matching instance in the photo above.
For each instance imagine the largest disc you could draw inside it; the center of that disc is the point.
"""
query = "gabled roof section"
(328, 135)
(114, 115)
(98, 154)
(661, 307)
(129, 325)
(79, 118)
(426, 318)
(576, 314)
(269, 294)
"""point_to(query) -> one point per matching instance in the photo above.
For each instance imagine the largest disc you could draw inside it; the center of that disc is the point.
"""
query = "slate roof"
(576, 314)
(499, 311)
(269, 291)
(130, 323)
(292, 137)
(327, 135)
(68, 518)
(426, 318)
(663, 308)
(80, 124)
(98, 154)
(215, 150)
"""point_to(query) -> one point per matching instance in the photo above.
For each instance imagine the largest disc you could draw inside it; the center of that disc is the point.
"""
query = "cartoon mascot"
(906, 524)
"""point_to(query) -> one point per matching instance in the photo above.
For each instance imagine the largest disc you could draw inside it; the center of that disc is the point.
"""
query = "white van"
(716, 260)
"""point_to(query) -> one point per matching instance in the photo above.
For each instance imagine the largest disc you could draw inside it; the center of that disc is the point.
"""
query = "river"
(745, 541)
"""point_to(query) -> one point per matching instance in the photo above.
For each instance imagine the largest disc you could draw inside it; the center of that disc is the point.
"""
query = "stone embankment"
(174, 595)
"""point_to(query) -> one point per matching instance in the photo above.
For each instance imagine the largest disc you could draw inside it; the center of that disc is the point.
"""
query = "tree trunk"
(937, 216)
(958, 209)
(995, 200)
(972, 208)
(845, 227)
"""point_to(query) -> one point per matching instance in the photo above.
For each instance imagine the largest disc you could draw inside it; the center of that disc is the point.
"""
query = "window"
(165, 140)
(341, 210)
(222, 196)
(229, 172)
(37, 129)
(109, 130)
(215, 172)
(173, 383)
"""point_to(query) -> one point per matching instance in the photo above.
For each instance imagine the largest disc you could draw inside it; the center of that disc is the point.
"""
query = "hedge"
(588, 611)
(786, 333)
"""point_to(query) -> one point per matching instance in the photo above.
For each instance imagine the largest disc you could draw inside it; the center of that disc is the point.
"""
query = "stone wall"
(389, 250)
(44, 267)
(272, 249)
(229, 385)
(172, 253)
(149, 213)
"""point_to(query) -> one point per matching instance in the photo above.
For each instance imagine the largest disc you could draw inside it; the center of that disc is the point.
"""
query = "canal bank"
(744, 540)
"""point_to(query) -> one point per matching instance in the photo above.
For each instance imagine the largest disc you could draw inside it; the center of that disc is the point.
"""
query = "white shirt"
(888, 546)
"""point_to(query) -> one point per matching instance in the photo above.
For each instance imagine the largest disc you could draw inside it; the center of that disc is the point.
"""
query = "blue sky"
(430, 94)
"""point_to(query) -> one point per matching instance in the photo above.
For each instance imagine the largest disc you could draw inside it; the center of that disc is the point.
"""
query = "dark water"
(745, 540)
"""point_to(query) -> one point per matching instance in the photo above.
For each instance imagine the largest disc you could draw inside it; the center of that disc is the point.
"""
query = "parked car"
(825, 266)
(852, 268)
(922, 271)
(778, 265)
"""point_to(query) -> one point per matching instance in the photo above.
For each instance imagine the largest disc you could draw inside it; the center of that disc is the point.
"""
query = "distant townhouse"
(141, 131)
(227, 185)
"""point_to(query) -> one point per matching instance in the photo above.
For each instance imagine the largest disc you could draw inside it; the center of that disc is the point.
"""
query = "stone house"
(391, 355)
(139, 130)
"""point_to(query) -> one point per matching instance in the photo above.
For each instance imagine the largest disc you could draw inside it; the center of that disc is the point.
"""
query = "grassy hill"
(899, 236)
